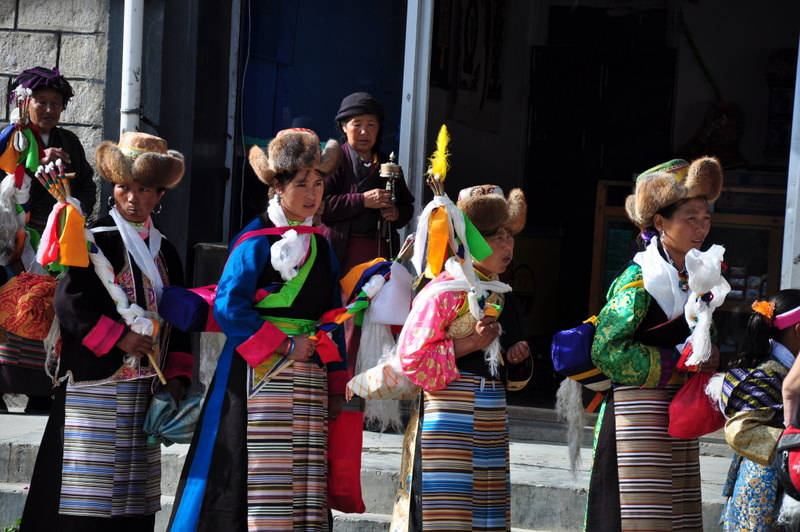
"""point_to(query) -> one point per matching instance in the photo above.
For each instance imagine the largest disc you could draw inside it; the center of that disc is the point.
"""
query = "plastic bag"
(383, 381)
(345, 439)
(692, 413)
(169, 423)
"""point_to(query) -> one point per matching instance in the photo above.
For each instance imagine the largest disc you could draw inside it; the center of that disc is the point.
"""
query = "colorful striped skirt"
(459, 465)
(286, 451)
(108, 468)
(22, 367)
(658, 476)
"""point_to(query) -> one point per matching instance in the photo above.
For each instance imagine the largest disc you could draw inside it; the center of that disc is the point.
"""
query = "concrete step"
(545, 495)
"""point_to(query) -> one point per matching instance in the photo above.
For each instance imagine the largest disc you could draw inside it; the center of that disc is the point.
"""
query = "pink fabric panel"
(103, 336)
(261, 345)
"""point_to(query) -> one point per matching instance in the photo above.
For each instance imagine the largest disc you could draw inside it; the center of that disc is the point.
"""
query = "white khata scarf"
(288, 253)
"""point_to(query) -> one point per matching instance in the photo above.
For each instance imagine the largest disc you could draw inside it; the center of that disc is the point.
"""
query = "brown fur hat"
(489, 210)
(671, 182)
(139, 158)
(292, 150)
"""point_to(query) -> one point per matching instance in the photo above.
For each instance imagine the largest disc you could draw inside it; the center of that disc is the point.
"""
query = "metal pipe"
(130, 98)
(414, 108)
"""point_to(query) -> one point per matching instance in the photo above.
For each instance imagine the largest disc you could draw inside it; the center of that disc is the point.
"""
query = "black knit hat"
(359, 103)
(38, 78)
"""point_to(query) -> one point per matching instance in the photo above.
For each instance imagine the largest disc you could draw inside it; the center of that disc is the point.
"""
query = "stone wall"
(71, 35)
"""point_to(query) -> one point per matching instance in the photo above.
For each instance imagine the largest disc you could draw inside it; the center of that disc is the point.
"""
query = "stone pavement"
(545, 494)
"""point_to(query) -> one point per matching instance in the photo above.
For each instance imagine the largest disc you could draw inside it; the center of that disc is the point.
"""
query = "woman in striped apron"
(455, 472)
(95, 470)
(258, 457)
(642, 478)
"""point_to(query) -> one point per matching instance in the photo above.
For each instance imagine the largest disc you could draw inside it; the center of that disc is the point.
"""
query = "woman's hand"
(486, 330)
(712, 364)
(303, 348)
(518, 352)
(391, 213)
(377, 198)
(53, 154)
(135, 344)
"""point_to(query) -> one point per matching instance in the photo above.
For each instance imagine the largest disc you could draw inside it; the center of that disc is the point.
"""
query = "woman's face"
(502, 244)
(301, 197)
(45, 109)
(362, 133)
(135, 202)
(686, 229)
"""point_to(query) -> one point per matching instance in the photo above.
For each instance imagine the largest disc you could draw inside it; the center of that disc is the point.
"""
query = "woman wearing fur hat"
(262, 465)
(635, 342)
(95, 470)
(454, 357)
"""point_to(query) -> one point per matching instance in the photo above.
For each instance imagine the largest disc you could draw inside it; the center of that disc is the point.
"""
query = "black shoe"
(38, 404)
(3, 405)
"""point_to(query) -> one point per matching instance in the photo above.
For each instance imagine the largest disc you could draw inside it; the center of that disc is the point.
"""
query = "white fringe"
(569, 408)
(377, 347)
(789, 515)
(714, 390)
(492, 353)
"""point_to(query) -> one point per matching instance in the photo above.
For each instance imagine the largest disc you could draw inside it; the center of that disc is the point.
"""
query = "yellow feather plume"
(438, 160)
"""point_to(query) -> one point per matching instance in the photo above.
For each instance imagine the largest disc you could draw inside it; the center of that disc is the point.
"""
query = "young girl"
(752, 403)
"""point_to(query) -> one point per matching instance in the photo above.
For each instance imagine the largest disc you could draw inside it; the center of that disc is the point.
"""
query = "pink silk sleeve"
(426, 352)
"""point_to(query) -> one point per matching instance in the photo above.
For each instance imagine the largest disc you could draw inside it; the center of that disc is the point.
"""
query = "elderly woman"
(458, 476)
(22, 359)
(258, 457)
(356, 199)
(94, 470)
(51, 93)
(360, 216)
(636, 462)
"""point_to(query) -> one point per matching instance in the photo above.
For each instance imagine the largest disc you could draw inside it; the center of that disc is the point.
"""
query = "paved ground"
(546, 496)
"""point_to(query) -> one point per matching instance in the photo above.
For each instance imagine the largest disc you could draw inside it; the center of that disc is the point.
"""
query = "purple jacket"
(343, 201)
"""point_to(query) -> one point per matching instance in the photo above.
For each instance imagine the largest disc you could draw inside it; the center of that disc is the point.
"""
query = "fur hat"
(292, 150)
(139, 158)
(671, 182)
(489, 210)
